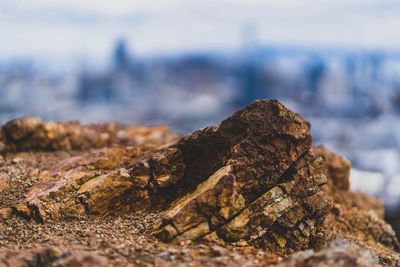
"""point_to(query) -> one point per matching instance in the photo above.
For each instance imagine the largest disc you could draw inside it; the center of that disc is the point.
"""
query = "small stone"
(281, 241)
(5, 183)
(21, 128)
(242, 243)
(23, 210)
(5, 213)
(17, 160)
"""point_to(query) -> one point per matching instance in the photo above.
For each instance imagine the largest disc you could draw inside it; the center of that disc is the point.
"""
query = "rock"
(17, 160)
(93, 183)
(249, 178)
(5, 214)
(4, 182)
(337, 168)
(22, 128)
(22, 210)
(249, 192)
(245, 179)
(29, 133)
(104, 193)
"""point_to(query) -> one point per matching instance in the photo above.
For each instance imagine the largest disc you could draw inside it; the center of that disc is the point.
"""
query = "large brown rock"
(252, 190)
(253, 177)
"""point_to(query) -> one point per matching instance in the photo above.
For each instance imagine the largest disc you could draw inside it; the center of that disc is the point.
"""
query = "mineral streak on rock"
(251, 185)
(91, 183)
(95, 183)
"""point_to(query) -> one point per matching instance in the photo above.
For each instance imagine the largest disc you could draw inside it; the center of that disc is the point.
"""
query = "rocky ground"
(251, 191)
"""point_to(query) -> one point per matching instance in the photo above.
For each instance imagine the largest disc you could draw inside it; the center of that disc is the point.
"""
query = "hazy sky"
(89, 28)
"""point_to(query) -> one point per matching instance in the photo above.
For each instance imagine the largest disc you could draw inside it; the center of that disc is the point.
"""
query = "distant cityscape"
(351, 98)
(330, 83)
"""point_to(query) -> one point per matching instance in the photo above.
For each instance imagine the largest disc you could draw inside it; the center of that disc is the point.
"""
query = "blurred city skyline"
(65, 31)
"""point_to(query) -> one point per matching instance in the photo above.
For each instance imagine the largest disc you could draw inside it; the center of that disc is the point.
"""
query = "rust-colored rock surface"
(252, 177)
(4, 182)
(251, 191)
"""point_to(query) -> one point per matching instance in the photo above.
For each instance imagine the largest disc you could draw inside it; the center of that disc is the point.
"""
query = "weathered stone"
(22, 210)
(244, 179)
(95, 183)
(256, 165)
(251, 189)
(5, 214)
(337, 168)
(4, 182)
(19, 129)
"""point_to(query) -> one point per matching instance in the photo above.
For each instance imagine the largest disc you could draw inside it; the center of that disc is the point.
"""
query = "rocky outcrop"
(96, 183)
(253, 177)
(253, 180)
(31, 133)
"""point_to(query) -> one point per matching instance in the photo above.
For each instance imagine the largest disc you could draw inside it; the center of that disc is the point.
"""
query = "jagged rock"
(4, 182)
(94, 183)
(5, 213)
(253, 177)
(336, 167)
(252, 191)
